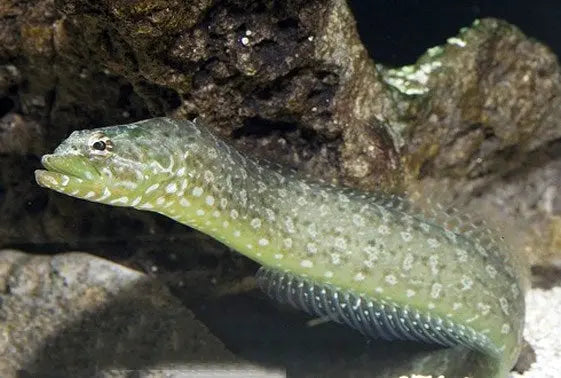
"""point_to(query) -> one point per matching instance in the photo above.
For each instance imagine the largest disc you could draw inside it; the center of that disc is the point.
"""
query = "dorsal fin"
(477, 219)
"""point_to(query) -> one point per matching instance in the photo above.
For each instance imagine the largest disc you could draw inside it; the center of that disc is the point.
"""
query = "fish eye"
(99, 145)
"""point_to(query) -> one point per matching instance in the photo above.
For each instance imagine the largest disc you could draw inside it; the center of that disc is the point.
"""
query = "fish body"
(372, 261)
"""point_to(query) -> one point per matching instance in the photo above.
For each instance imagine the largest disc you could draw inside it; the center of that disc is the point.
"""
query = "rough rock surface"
(543, 327)
(78, 315)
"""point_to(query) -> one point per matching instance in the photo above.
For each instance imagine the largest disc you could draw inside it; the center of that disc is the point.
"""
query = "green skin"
(381, 248)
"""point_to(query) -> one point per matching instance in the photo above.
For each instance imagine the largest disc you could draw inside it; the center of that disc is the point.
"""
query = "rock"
(19, 136)
(543, 327)
(78, 315)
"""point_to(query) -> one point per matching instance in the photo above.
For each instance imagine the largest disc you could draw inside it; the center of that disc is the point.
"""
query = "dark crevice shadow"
(273, 335)
(546, 277)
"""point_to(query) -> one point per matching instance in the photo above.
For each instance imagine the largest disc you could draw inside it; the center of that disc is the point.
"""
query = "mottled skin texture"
(380, 248)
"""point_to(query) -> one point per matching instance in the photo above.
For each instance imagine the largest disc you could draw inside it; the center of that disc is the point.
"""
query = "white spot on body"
(433, 243)
(384, 230)
(484, 308)
(306, 264)
(184, 202)
(200, 212)
(89, 195)
(335, 258)
(243, 198)
(462, 255)
(171, 188)
(261, 187)
(209, 200)
(505, 329)
(359, 276)
(408, 262)
(160, 200)
(491, 271)
(406, 236)
(223, 203)
(208, 176)
(151, 188)
(410, 293)
(371, 252)
(183, 185)
(263, 242)
(123, 200)
(311, 248)
(358, 220)
(287, 242)
(256, 223)
(467, 283)
(328, 274)
(504, 305)
(391, 279)
(289, 224)
(278, 256)
(515, 291)
(343, 198)
(312, 230)
(433, 263)
(197, 191)
(435, 290)
(270, 215)
(451, 236)
(340, 243)
(106, 194)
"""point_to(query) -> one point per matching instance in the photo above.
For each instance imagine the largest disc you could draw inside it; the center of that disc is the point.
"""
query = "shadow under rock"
(268, 334)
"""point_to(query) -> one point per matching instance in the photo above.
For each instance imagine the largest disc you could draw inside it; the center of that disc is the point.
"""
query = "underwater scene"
(263, 188)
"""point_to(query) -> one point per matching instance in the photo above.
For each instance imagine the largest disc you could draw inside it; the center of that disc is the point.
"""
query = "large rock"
(78, 315)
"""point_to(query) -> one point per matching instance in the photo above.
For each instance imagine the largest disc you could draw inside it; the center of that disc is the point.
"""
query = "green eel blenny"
(372, 261)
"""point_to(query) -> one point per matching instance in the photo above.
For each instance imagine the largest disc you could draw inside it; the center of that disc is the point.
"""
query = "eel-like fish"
(374, 262)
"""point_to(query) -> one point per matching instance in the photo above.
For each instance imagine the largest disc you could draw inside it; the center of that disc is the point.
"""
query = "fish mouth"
(69, 174)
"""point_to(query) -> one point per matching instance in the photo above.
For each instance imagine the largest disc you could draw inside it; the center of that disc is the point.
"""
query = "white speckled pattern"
(380, 247)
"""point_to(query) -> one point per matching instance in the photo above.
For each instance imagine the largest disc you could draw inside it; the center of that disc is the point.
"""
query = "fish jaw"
(72, 175)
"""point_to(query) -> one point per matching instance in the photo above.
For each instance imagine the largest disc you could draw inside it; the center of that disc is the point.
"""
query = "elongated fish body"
(371, 261)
